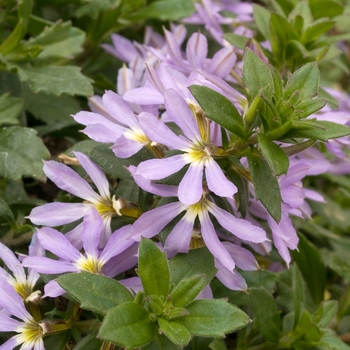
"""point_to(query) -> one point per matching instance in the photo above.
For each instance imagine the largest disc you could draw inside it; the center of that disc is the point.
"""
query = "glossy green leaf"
(61, 40)
(127, 325)
(266, 315)
(219, 109)
(94, 292)
(257, 75)
(175, 331)
(55, 80)
(309, 261)
(166, 10)
(195, 262)
(213, 318)
(10, 109)
(306, 80)
(317, 130)
(275, 155)
(266, 186)
(262, 18)
(153, 269)
(15, 160)
(188, 288)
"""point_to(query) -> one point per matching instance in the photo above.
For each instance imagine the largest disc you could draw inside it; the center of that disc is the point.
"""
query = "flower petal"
(242, 257)
(68, 180)
(58, 244)
(125, 148)
(92, 227)
(217, 181)
(57, 214)
(197, 50)
(42, 264)
(53, 290)
(12, 263)
(191, 186)
(232, 280)
(8, 324)
(156, 169)
(100, 133)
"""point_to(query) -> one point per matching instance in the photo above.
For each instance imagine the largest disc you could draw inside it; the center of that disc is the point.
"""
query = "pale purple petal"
(132, 283)
(13, 303)
(74, 237)
(173, 48)
(92, 227)
(282, 248)
(125, 80)
(232, 280)
(152, 222)
(147, 185)
(42, 264)
(217, 181)
(57, 214)
(197, 50)
(95, 173)
(106, 232)
(100, 133)
(117, 243)
(11, 343)
(222, 62)
(206, 293)
(243, 258)
(68, 180)
(156, 169)
(39, 345)
(180, 237)
(293, 195)
(52, 289)
(181, 114)
(191, 186)
(241, 228)
(58, 244)
(125, 148)
(8, 324)
(145, 95)
(313, 195)
(10, 260)
(122, 48)
(157, 131)
(295, 174)
(213, 243)
(119, 109)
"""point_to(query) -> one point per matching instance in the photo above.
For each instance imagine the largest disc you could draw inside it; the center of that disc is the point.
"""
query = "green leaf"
(325, 8)
(239, 41)
(5, 211)
(175, 331)
(61, 40)
(15, 160)
(311, 266)
(306, 108)
(262, 18)
(55, 80)
(94, 292)
(10, 109)
(165, 10)
(325, 313)
(127, 325)
(213, 318)
(266, 186)
(188, 288)
(161, 342)
(90, 342)
(306, 80)
(219, 109)
(313, 32)
(332, 342)
(299, 296)
(317, 130)
(266, 315)
(56, 341)
(257, 75)
(195, 262)
(218, 344)
(277, 84)
(307, 328)
(153, 269)
(93, 7)
(275, 155)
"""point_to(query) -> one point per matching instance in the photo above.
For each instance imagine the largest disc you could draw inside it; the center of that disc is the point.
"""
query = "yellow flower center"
(23, 289)
(90, 264)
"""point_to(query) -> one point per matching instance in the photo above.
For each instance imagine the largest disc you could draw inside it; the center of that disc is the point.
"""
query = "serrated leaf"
(306, 80)
(55, 80)
(127, 325)
(317, 130)
(219, 109)
(61, 40)
(213, 318)
(175, 331)
(311, 266)
(257, 75)
(94, 292)
(165, 10)
(188, 288)
(153, 269)
(275, 155)
(195, 262)
(266, 315)
(15, 160)
(266, 186)
(10, 109)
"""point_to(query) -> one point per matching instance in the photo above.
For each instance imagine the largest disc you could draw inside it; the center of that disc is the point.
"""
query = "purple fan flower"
(56, 214)
(29, 332)
(197, 148)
